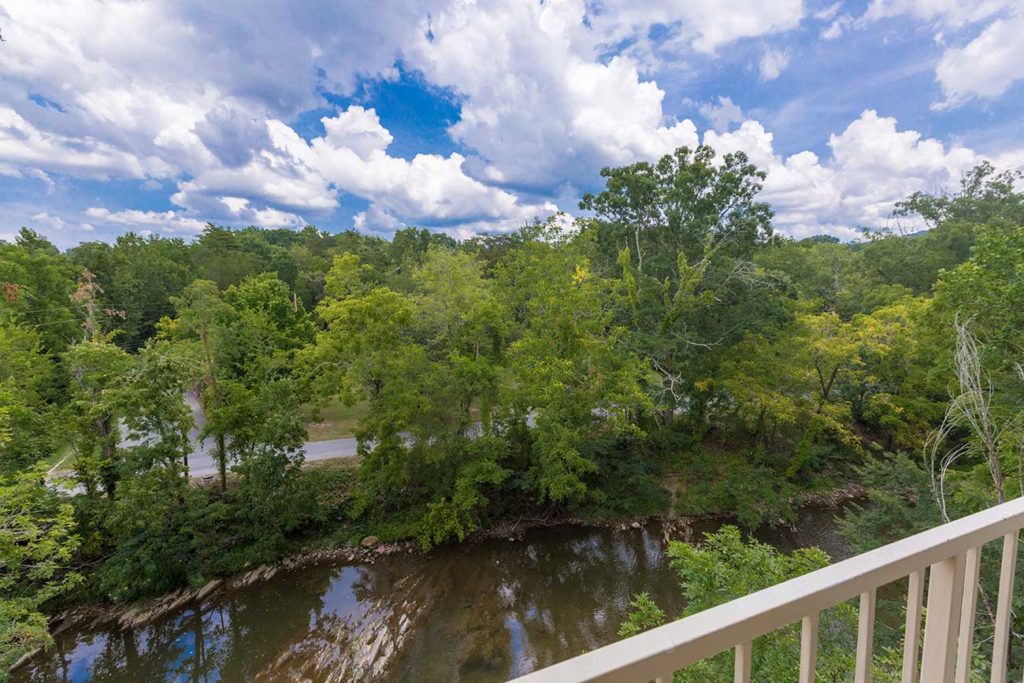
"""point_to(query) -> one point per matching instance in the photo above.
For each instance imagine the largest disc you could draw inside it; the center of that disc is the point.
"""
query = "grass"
(337, 420)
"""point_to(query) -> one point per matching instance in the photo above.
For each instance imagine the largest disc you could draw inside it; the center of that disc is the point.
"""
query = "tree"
(682, 233)
(682, 205)
(94, 368)
(37, 286)
(725, 567)
(571, 371)
(986, 196)
(26, 416)
(140, 276)
(150, 398)
(267, 439)
(421, 361)
(37, 542)
(204, 317)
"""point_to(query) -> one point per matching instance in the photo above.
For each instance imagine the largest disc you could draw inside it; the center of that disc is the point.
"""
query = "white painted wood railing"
(951, 555)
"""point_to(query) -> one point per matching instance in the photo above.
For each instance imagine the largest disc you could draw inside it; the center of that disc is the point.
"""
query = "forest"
(666, 353)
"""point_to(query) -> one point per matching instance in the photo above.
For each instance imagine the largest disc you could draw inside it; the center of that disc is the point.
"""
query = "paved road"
(202, 464)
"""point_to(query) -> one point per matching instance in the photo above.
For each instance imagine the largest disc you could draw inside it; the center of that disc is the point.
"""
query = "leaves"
(37, 542)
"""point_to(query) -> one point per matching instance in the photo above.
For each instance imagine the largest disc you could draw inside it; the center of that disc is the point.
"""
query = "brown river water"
(478, 612)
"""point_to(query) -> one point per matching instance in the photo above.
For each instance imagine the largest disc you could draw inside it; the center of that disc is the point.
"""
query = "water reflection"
(482, 612)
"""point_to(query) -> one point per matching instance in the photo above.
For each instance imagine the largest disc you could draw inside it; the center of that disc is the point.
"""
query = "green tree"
(26, 417)
(37, 283)
(570, 371)
(139, 276)
(205, 318)
(421, 361)
(725, 567)
(94, 368)
(682, 232)
(37, 542)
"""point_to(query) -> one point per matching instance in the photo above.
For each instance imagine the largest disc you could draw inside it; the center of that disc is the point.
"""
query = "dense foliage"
(725, 567)
(666, 354)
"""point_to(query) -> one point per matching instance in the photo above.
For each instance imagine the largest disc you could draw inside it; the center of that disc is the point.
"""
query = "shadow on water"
(478, 612)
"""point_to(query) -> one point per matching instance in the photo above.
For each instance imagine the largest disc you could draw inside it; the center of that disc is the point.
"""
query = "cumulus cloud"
(232, 135)
(352, 157)
(988, 64)
(872, 166)
(24, 146)
(985, 67)
(538, 104)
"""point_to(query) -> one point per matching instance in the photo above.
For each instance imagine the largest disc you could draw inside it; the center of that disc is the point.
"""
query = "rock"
(208, 589)
(24, 659)
(370, 542)
(635, 525)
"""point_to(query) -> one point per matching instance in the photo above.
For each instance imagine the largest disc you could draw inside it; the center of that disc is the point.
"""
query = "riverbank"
(495, 608)
(141, 614)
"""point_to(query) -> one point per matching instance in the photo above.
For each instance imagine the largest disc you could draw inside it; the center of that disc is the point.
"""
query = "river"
(477, 612)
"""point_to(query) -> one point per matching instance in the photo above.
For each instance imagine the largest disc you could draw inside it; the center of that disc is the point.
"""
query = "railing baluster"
(912, 630)
(741, 670)
(865, 636)
(1001, 642)
(965, 649)
(809, 647)
(945, 590)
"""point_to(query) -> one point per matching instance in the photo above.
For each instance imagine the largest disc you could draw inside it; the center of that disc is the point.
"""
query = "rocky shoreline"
(114, 616)
(137, 615)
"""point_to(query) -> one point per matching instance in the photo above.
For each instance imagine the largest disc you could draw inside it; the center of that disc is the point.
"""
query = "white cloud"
(352, 157)
(773, 63)
(150, 221)
(988, 64)
(829, 12)
(838, 27)
(162, 89)
(721, 115)
(48, 221)
(24, 147)
(538, 105)
(873, 165)
(203, 98)
(430, 188)
(985, 67)
(951, 13)
(702, 25)
(243, 213)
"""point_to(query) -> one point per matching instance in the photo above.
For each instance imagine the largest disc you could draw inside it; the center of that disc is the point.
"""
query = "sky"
(465, 117)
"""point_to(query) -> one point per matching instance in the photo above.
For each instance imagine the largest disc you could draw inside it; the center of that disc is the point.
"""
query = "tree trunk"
(222, 462)
(108, 451)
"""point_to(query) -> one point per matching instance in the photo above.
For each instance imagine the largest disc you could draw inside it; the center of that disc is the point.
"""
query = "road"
(202, 464)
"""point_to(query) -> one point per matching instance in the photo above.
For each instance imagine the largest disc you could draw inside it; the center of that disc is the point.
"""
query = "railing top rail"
(680, 643)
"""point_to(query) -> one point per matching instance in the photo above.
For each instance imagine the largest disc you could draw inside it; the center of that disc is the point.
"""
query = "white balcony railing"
(950, 553)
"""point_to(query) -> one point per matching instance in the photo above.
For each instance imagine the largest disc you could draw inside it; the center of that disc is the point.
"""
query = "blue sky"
(465, 117)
